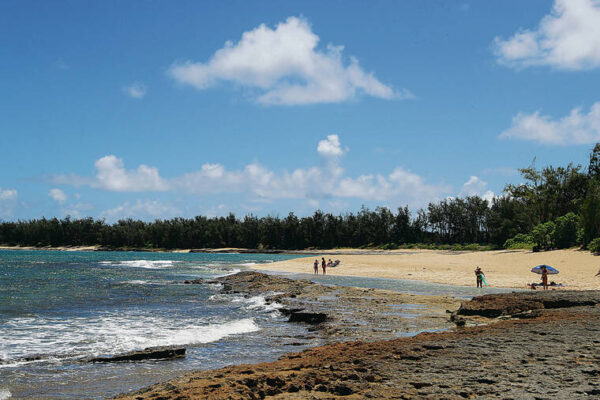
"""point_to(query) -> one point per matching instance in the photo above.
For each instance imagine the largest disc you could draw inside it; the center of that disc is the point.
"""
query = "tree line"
(555, 207)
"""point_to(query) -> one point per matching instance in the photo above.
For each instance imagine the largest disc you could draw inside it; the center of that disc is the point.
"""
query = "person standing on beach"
(323, 265)
(316, 267)
(545, 277)
(479, 276)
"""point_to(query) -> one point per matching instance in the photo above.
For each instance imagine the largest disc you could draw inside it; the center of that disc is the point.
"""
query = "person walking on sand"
(545, 277)
(323, 265)
(479, 276)
(316, 266)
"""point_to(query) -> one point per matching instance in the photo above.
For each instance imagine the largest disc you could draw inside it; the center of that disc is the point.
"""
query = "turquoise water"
(403, 285)
(57, 308)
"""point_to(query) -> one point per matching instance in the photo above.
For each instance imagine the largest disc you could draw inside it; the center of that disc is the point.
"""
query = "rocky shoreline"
(544, 345)
(334, 313)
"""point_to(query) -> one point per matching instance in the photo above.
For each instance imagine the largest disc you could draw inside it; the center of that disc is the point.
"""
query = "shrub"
(520, 241)
(594, 245)
(581, 236)
(523, 238)
(565, 234)
(511, 244)
(543, 235)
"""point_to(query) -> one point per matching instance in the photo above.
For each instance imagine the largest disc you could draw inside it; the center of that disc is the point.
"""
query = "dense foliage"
(553, 208)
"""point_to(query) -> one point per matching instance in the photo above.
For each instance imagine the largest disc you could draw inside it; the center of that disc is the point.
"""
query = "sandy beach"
(55, 248)
(502, 268)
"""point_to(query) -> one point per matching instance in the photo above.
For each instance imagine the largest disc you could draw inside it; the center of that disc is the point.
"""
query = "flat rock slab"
(495, 305)
(307, 317)
(151, 353)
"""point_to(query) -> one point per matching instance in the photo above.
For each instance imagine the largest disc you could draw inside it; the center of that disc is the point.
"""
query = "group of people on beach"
(324, 265)
(480, 276)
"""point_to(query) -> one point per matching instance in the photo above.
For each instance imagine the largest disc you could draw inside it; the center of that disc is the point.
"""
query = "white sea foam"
(215, 286)
(248, 264)
(109, 334)
(229, 272)
(149, 264)
(250, 303)
(260, 302)
(5, 394)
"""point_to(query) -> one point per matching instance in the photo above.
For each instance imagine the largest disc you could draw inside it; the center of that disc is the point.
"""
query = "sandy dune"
(503, 268)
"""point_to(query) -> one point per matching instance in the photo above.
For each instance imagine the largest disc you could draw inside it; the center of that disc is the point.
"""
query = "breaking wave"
(45, 338)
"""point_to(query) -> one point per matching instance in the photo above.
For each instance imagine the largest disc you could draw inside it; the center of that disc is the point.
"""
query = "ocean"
(58, 308)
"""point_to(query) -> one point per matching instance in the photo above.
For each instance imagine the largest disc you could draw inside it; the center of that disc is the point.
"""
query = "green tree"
(590, 212)
(565, 234)
(550, 192)
(543, 235)
(594, 166)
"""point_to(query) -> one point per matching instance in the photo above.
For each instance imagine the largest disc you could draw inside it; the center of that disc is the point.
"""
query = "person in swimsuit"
(479, 276)
(545, 277)
(316, 266)
(323, 265)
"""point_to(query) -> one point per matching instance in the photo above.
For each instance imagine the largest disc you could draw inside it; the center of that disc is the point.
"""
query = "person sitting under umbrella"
(544, 270)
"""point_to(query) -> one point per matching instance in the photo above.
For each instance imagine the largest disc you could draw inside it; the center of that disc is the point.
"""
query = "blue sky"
(157, 109)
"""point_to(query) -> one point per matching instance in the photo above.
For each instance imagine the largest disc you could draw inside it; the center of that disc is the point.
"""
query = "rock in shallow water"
(308, 317)
(150, 353)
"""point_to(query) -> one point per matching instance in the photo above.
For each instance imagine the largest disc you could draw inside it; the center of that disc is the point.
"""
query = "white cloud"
(575, 128)
(218, 211)
(58, 195)
(112, 175)
(286, 67)
(489, 196)
(477, 187)
(330, 147)
(568, 38)
(147, 209)
(8, 194)
(259, 183)
(136, 90)
(8, 200)
(401, 185)
(78, 210)
(473, 187)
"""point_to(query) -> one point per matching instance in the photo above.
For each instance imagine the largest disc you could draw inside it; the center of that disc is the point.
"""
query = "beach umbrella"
(538, 270)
